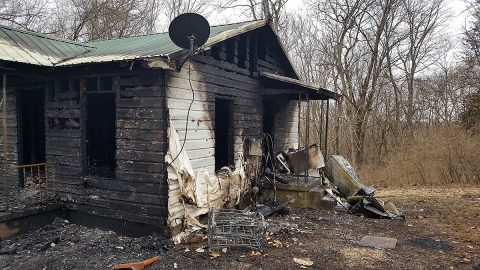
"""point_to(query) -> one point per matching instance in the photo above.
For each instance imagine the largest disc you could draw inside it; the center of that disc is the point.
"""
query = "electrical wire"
(185, 136)
(186, 124)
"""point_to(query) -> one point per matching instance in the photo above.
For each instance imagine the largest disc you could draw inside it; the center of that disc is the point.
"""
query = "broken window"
(101, 127)
(230, 50)
(261, 49)
(252, 57)
(64, 98)
(223, 133)
(215, 51)
(242, 52)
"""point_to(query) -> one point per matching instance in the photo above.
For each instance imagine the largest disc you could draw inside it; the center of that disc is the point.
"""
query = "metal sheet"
(37, 49)
(153, 45)
(341, 173)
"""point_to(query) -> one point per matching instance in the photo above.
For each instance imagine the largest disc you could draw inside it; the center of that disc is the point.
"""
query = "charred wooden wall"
(11, 175)
(63, 140)
(137, 193)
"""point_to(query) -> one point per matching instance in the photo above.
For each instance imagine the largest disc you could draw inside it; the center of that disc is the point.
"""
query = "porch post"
(326, 126)
(4, 118)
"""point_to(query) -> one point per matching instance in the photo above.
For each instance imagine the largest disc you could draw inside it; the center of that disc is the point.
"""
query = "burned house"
(95, 120)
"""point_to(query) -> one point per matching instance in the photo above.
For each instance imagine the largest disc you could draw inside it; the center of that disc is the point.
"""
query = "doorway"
(269, 112)
(223, 133)
(31, 129)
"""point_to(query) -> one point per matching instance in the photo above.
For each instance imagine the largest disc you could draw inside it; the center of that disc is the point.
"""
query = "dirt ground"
(441, 231)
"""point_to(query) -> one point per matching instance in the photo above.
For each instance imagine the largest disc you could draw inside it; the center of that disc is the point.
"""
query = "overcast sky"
(456, 7)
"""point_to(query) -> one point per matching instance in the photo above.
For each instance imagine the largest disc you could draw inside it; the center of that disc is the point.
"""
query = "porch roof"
(292, 88)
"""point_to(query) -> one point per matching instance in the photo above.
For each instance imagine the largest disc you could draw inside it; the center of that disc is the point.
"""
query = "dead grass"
(437, 156)
(451, 210)
(359, 257)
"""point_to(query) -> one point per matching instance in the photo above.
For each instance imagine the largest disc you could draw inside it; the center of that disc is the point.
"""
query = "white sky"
(455, 25)
(456, 7)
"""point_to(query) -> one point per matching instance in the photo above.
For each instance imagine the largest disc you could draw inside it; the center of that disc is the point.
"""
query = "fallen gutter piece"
(136, 265)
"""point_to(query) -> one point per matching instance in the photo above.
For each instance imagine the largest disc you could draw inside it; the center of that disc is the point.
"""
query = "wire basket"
(235, 229)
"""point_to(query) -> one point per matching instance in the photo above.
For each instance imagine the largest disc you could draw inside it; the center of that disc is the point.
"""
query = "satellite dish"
(189, 31)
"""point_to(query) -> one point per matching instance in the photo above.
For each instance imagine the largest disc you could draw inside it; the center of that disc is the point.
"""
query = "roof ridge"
(160, 33)
(32, 33)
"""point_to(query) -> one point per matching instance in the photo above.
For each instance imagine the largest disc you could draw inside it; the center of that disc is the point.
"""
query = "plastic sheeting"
(192, 192)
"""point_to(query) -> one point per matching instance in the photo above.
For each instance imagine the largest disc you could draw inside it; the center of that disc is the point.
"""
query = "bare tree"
(416, 50)
(472, 35)
(26, 14)
(86, 20)
(355, 30)
(257, 9)
(173, 8)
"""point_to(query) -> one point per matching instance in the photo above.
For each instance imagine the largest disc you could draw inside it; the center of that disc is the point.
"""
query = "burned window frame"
(98, 87)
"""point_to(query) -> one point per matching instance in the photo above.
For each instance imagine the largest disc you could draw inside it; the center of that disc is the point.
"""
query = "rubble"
(98, 249)
(329, 238)
(21, 198)
(359, 199)
(303, 261)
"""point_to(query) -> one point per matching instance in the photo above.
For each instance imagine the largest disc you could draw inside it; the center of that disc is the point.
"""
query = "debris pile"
(64, 245)
(352, 194)
(21, 198)
(295, 166)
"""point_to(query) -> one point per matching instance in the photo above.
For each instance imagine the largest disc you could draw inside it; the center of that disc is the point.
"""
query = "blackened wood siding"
(63, 142)
(11, 176)
(138, 192)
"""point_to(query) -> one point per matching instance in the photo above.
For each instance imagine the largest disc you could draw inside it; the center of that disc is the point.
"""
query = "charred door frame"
(22, 95)
(230, 156)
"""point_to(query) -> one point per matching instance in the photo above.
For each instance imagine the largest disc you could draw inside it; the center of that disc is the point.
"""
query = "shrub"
(436, 156)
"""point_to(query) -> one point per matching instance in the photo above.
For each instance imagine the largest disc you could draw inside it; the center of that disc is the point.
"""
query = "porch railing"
(34, 175)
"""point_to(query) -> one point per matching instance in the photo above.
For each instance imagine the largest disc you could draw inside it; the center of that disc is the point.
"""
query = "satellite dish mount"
(192, 39)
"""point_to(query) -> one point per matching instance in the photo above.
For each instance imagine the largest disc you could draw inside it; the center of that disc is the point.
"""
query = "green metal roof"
(37, 49)
(153, 45)
(44, 50)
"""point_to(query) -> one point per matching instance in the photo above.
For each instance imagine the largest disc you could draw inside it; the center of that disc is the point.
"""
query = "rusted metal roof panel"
(153, 45)
(37, 49)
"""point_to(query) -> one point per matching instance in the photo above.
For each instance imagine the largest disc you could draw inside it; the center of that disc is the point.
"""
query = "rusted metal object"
(302, 161)
(235, 228)
(136, 265)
